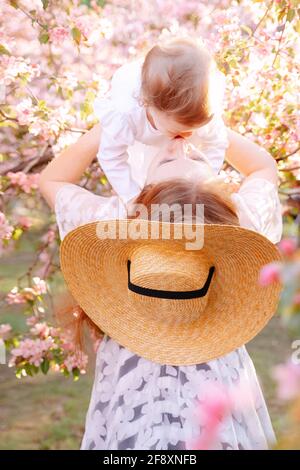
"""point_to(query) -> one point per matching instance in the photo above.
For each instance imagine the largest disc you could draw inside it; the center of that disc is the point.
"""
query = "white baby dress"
(129, 141)
(139, 404)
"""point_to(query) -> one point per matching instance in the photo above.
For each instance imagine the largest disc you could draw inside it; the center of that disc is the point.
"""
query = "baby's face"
(179, 160)
(168, 126)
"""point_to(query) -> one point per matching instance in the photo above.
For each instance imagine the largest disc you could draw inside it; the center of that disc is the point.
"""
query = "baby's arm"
(250, 159)
(214, 141)
(112, 156)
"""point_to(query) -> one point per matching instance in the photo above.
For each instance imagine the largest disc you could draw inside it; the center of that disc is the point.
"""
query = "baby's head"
(175, 86)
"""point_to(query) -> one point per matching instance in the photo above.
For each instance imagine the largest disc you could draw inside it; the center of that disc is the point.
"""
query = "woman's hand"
(69, 165)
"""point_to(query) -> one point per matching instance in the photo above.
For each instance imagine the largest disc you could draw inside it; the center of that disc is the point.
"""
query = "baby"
(176, 91)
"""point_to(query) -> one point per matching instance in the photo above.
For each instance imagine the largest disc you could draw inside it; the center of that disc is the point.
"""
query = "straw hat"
(166, 303)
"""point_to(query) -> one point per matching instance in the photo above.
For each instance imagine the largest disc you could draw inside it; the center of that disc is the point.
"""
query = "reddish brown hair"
(218, 209)
(175, 80)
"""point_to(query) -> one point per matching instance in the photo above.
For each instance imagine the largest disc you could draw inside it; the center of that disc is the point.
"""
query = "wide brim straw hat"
(148, 287)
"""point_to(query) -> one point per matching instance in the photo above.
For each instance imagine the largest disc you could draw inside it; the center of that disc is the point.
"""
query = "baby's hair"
(175, 79)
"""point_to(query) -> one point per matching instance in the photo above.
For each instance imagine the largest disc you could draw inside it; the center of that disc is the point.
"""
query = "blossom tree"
(56, 56)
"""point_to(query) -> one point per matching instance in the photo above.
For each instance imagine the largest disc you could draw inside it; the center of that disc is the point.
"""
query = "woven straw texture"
(171, 331)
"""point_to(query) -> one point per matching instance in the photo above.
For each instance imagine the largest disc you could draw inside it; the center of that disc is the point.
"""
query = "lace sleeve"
(75, 206)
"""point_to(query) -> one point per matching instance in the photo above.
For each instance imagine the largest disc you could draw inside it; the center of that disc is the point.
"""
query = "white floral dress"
(139, 404)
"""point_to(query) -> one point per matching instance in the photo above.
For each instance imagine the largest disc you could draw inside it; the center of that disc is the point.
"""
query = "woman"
(118, 416)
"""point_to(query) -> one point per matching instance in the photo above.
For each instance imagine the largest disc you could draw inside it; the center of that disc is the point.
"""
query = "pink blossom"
(77, 360)
(24, 112)
(16, 178)
(67, 345)
(5, 331)
(84, 24)
(40, 286)
(15, 297)
(5, 229)
(25, 222)
(54, 332)
(19, 67)
(32, 350)
(40, 329)
(32, 320)
(28, 293)
(25, 181)
(269, 274)
(288, 246)
(58, 35)
(288, 380)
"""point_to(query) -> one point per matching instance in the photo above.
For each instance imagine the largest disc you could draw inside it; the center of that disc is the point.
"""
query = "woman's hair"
(175, 80)
(218, 209)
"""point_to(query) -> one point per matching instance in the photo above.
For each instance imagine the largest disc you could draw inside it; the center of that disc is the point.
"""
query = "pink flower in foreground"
(215, 408)
(5, 330)
(288, 380)
(269, 274)
(211, 412)
(288, 246)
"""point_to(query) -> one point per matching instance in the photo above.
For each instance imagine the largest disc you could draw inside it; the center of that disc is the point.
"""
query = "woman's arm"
(69, 165)
(250, 159)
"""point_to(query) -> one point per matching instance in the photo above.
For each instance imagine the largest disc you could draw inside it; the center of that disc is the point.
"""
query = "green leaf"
(42, 105)
(246, 29)
(103, 180)
(76, 34)
(85, 109)
(297, 26)
(290, 14)
(44, 38)
(28, 369)
(14, 3)
(281, 15)
(12, 124)
(76, 374)
(65, 372)
(17, 233)
(45, 366)
(45, 4)
(3, 50)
